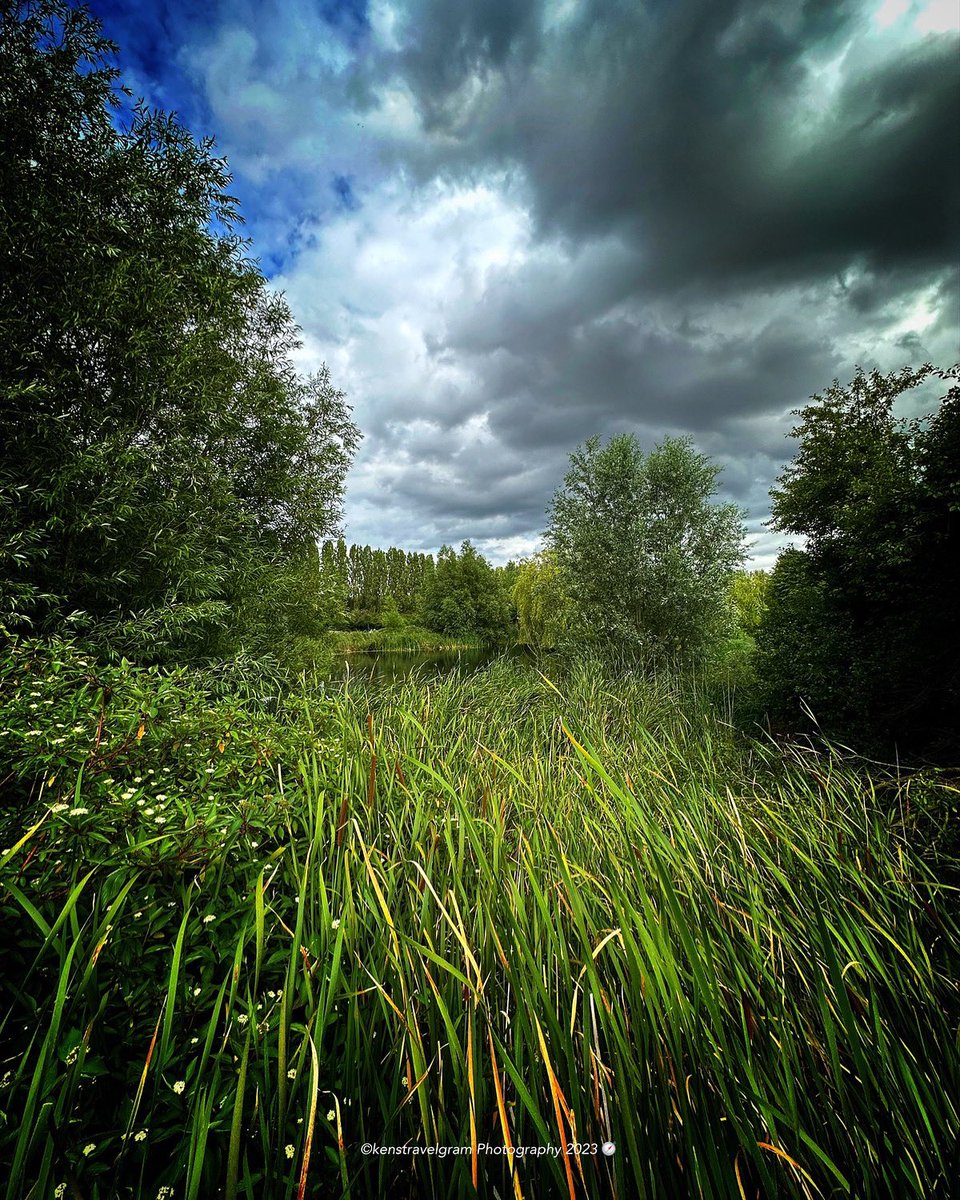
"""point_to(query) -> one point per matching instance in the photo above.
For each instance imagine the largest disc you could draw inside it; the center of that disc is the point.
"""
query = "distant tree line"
(366, 578)
(459, 594)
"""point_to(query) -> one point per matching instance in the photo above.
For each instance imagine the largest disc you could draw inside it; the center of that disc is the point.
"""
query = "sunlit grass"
(497, 909)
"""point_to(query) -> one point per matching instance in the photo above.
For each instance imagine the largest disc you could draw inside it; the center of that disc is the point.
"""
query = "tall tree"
(644, 553)
(877, 499)
(164, 471)
(462, 597)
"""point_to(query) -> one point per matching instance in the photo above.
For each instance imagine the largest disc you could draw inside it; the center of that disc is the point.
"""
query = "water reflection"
(386, 666)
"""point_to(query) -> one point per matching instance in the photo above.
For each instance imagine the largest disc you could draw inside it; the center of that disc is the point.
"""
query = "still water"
(385, 666)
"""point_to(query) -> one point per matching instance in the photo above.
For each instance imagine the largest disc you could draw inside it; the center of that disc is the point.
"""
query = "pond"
(386, 666)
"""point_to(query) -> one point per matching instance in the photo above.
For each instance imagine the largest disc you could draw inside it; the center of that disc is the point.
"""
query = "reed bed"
(498, 913)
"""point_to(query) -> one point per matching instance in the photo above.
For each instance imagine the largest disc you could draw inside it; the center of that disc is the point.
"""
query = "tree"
(462, 596)
(391, 614)
(877, 498)
(643, 552)
(164, 472)
(543, 607)
(749, 594)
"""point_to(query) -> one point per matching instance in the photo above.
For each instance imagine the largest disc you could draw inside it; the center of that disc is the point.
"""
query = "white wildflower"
(140, 1135)
(208, 918)
(289, 1151)
(179, 1086)
(330, 1115)
(292, 1073)
(79, 812)
(335, 923)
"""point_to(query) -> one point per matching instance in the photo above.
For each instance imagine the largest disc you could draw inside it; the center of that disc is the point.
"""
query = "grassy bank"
(248, 930)
(410, 637)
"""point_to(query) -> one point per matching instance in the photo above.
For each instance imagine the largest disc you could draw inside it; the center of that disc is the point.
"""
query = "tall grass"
(484, 912)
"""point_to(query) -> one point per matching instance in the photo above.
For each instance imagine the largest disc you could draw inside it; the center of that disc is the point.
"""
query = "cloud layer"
(508, 226)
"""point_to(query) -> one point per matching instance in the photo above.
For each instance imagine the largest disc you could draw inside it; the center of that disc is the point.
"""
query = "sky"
(509, 225)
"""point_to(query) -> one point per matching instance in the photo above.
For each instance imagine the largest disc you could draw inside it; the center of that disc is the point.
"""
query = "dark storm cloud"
(694, 129)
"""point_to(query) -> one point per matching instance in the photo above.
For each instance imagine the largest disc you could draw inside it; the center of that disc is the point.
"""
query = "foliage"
(368, 577)
(497, 907)
(645, 555)
(543, 607)
(391, 615)
(862, 624)
(462, 597)
(164, 471)
(749, 597)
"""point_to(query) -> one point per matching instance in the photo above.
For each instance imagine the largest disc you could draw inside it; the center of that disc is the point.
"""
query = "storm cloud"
(507, 226)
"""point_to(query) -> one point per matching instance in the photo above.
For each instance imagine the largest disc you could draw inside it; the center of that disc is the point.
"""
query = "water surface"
(386, 666)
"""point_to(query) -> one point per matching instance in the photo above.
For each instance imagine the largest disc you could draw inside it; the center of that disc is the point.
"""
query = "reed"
(487, 911)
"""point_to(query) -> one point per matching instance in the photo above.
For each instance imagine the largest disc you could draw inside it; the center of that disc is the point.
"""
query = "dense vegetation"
(491, 910)
(164, 472)
(252, 918)
(864, 627)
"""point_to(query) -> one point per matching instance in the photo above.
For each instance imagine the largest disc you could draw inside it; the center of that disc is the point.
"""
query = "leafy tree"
(644, 553)
(164, 472)
(749, 593)
(391, 614)
(463, 597)
(877, 498)
(543, 607)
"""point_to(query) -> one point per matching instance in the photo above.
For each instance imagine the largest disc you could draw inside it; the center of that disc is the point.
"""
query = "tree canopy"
(463, 597)
(543, 607)
(862, 627)
(644, 553)
(164, 471)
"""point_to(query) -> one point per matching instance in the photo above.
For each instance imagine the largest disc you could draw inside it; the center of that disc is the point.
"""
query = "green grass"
(491, 909)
